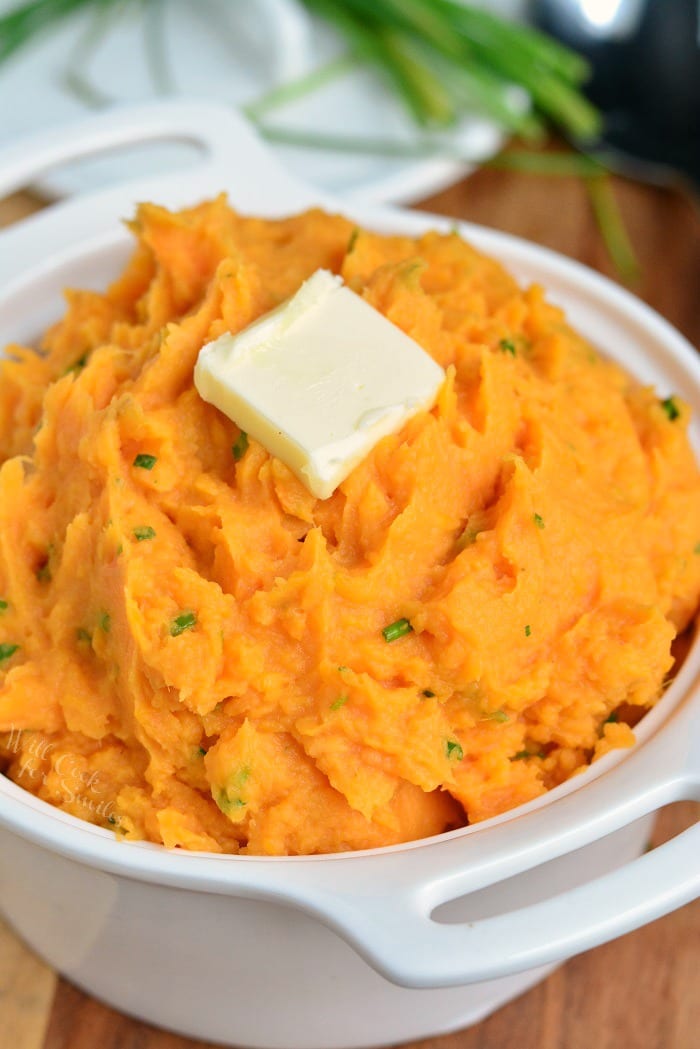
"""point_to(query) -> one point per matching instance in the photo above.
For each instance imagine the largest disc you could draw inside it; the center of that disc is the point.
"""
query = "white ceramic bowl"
(365, 948)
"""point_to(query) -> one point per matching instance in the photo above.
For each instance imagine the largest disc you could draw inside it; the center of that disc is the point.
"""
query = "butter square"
(319, 380)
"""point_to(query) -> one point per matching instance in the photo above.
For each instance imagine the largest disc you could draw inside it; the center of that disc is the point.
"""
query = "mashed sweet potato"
(192, 646)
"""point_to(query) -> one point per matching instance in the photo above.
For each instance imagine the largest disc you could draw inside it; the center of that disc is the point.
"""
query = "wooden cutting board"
(643, 990)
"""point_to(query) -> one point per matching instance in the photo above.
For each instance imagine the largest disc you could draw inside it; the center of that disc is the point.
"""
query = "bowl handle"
(407, 946)
(227, 141)
(396, 933)
(233, 158)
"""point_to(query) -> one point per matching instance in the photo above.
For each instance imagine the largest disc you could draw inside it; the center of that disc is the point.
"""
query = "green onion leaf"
(144, 532)
(339, 702)
(398, 629)
(497, 715)
(144, 461)
(453, 750)
(428, 693)
(507, 346)
(6, 650)
(538, 520)
(671, 408)
(240, 446)
(183, 621)
(528, 630)
(3, 605)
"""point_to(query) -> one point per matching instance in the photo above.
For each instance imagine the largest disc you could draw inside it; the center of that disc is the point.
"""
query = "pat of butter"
(319, 380)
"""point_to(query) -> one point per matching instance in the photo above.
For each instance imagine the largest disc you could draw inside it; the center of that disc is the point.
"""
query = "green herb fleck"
(522, 755)
(352, 241)
(341, 669)
(339, 702)
(202, 752)
(3, 605)
(6, 650)
(497, 715)
(185, 621)
(428, 693)
(145, 462)
(226, 804)
(77, 366)
(112, 820)
(240, 446)
(612, 719)
(507, 346)
(528, 630)
(144, 532)
(105, 622)
(538, 520)
(671, 408)
(453, 750)
(83, 635)
(43, 572)
(398, 629)
(241, 776)
(696, 550)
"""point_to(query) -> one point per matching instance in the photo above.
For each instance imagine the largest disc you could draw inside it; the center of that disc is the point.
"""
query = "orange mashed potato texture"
(191, 645)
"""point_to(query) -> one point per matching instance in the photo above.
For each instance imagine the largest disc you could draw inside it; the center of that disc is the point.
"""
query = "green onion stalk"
(442, 59)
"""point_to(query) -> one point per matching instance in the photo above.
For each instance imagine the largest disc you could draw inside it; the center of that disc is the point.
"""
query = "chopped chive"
(77, 365)
(538, 520)
(240, 447)
(428, 693)
(83, 635)
(6, 650)
(611, 719)
(143, 533)
(185, 621)
(202, 752)
(226, 803)
(671, 408)
(144, 461)
(696, 550)
(341, 669)
(528, 630)
(398, 629)
(507, 346)
(3, 605)
(352, 241)
(105, 622)
(497, 715)
(453, 750)
(339, 702)
(522, 755)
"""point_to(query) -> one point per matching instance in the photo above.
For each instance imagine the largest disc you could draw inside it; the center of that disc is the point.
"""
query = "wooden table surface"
(643, 990)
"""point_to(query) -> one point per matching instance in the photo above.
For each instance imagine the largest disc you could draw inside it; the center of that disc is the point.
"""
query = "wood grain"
(639, 992)
(27, 989)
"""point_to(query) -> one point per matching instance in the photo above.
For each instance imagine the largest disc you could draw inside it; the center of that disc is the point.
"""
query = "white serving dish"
(344, 950)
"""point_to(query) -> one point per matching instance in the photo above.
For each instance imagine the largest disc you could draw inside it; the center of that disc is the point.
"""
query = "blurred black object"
(645, 58)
